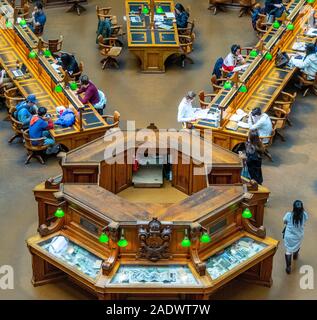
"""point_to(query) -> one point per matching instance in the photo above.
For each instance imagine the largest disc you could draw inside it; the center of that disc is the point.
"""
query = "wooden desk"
(15, 44)
(263, 79)
(151, 45)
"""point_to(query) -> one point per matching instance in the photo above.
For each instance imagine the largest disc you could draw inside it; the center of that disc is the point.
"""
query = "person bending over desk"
(39, 126)
(274, 9)
(181, 16)
(186, 111)
(5, 81)
(307, 65)
(233, 59)
(92, 94)
(25, 110)
(261, 122)
(38, 19)
(69, 64)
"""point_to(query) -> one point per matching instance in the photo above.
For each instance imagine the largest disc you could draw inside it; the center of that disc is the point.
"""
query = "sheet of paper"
(158, 18)
(243, 125)
(135, 19)
(239, 68)
(311, 32)
(299, 46)
(170, 15)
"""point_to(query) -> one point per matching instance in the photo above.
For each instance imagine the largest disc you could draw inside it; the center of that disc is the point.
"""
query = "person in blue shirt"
(25, 110)
(294, 232)
(39, 126)
(181, 16)
(38, 18)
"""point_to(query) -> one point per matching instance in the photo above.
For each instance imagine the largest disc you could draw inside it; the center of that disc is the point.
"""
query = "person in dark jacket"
(253, 156)
(39, 126)
(69, 64)
(274, 9)
(181, 16)
(25, 110)
(90, 90)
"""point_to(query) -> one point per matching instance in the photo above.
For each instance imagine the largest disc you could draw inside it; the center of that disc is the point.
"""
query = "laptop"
(19, 72)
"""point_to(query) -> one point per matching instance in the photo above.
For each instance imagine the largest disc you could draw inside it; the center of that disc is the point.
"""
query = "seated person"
(181, 16)
(257, 10)
(91, 93)
(38, 19)
(39, 126)
(104, 29)
(25, 110)
(308, 64)
(312, 20)
(274, 9)
(5, 81)
(186, 111)
(261, 122)
(233, 59)
(69, 64)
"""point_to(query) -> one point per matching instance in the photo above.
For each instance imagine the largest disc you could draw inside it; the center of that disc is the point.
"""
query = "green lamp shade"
(290, 26)
(59, 213)
(205, 238)
(22, 22)
(268, 56)
(253, 53)
(47, 53)
(9, 24)
(246, 213)
(185, 242)
(103, 238)
(243, 88)
(145, 10)
(58, 88)
(159, 10)
(32, 55)
(73, 86)
(276, 24)
(227, 85)
(310, 1)
(123, 242)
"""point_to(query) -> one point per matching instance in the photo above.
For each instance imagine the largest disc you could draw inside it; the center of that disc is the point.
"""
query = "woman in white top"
(186, 111)
(233, 58)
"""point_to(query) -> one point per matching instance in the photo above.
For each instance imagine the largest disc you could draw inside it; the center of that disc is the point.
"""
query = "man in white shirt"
(186, 112)
(261, 122)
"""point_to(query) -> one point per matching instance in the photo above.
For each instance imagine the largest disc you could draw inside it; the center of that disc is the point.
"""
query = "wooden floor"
(154, 98)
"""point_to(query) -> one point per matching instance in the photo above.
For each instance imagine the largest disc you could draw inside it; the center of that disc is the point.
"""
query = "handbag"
(283, 231)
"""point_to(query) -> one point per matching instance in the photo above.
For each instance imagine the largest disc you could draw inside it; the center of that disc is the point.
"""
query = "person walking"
(294, 232)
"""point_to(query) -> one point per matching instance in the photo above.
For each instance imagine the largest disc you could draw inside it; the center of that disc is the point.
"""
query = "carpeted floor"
(155, 98)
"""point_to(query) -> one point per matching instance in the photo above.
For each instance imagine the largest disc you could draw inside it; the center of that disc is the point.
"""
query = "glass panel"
(232, 256)
(174, 274)
(74, 255)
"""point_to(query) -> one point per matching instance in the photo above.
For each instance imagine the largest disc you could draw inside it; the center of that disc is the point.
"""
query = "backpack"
(217, 67)
(104, 28)
(67, 119)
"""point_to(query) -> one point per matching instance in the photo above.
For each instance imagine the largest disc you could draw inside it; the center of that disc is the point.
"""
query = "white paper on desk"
(239, 68)
(165, 26)
(158, 18)
(299, 46)
(243, 125)
(170, 15)
(311, 32)
(238, 115)
(203, 114)
(135, 19)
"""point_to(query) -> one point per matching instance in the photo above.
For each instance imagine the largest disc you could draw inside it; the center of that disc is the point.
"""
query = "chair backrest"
(28, 142)
(116, 117)
(38, 30)
(55, 45)
(101, 12)
(186, 44)
(12, 98)
(215, 83)
(16, 125)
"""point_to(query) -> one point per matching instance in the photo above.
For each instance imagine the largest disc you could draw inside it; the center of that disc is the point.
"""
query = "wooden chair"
(246, 6)
(38, 30)
(308, 84)
(16, 126)
(55, 45)
(102, 12)
(187, 31)
(217, 84)
(112, 121)
(216, 5)
(186, 47)
(34, 151)
(110, 51)
(261, 27)
(282, 107)
(116, 32)
(203, 97)
(269, 141)
(24, 11)
(12, 98)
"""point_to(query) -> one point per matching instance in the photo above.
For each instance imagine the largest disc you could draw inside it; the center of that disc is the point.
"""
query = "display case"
(174, 275)
(233, 256)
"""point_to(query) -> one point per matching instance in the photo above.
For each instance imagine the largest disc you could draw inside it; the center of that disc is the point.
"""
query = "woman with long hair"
(253, 156)
(294, 232)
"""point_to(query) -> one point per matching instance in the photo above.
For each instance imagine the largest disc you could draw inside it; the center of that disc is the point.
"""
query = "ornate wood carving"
(259, 232)
(195, 233)
(154, 241)
(113, 232)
